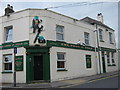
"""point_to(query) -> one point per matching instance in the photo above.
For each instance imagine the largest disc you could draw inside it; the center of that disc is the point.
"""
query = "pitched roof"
(93, 21)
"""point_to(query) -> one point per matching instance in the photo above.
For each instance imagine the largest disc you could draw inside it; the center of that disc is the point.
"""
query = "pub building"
(52, 46)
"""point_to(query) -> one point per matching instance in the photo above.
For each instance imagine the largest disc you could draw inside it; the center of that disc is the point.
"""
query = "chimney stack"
(100, 17)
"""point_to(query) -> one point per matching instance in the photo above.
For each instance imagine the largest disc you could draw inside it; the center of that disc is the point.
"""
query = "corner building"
(61, 56)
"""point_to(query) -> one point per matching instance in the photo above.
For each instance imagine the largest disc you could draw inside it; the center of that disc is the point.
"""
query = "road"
(108, 82)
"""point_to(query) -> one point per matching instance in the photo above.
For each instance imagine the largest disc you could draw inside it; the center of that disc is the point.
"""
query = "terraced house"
(71, 48)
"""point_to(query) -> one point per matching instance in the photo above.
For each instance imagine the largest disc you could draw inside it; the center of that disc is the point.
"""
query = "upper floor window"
(7, 62)
(110, 37)
(100, 34)
(8, 34)
(59, 32)
(86, 37)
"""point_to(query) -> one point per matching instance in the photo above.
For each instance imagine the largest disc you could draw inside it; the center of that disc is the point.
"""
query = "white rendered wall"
(0, 50)
(75, 64)
(73, 30)
(20, 23)
(20, 75)
(106, 42)
(114, 68)
(0, 66)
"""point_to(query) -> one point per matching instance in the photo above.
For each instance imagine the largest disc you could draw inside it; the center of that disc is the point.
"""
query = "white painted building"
(61, 56)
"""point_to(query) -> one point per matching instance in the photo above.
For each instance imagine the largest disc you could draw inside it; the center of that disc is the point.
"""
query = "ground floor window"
(112, 56)
(7, 62)
(108, 58)
(60, 60)
(88, 61)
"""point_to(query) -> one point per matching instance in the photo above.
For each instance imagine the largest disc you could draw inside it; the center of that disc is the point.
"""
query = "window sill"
(111, 43)
(88, 68)
(60, 41)
(112, 65)
(109, 65)
(7, 43)
(7, 72)
(62, 70)
(102, 41)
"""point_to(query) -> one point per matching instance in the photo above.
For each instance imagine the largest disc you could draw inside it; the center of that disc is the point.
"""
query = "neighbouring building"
(72, 48)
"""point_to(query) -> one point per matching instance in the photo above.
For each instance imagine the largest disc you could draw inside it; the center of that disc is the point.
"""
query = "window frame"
(8, 34)
(60, 33)
(61, 60)
(100, 34)
(9, 62)
(88, 57)
(108, 58)
(87, 38)
(110, 38)
(113, 57)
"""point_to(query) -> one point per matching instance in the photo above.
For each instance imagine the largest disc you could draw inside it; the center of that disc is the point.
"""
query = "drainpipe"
(98, 50)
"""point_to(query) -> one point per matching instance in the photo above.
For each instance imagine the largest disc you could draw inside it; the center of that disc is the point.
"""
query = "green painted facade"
(56, 44)
(69, 45)
(31, 52)
(12, 45)
(19, 63)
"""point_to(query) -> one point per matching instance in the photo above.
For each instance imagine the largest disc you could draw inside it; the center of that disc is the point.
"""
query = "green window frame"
(88, 61)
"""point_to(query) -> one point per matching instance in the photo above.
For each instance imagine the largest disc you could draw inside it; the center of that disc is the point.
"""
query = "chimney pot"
(100, 17)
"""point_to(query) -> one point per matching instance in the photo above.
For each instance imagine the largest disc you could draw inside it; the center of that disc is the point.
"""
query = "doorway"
(38, 67)
(37, 64)
(103, 62)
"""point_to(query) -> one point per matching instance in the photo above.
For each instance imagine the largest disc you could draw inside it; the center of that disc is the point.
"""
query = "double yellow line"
(104, 78)
(91, 81)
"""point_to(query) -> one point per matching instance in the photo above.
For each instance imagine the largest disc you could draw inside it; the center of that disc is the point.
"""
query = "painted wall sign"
(16, 44)
(69, 45)
(19, 63)
(75, 46)
(35, 26)
(107, 49)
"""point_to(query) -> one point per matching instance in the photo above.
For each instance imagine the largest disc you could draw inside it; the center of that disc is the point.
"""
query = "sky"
(78, 9)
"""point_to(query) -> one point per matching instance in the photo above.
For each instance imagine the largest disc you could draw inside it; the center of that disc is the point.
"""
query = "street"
(108, 82)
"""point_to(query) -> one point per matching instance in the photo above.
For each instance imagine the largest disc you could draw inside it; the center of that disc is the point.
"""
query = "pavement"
(60, 84)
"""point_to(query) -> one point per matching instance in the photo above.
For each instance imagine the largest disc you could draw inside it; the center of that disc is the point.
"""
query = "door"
(103, 63)
(37, 64)
(38, 67)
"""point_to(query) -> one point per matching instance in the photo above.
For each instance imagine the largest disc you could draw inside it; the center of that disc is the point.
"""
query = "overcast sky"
(78, 11)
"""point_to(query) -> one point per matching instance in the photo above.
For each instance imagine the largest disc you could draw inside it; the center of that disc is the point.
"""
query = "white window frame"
(8, 33)
(7, 62)
(61, 60)
(112, 57)
(87, 38)
(60, 33)
(108, 57)
(100, 34)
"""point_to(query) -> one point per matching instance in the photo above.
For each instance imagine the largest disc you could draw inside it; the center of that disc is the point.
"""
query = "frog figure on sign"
(35, 23)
